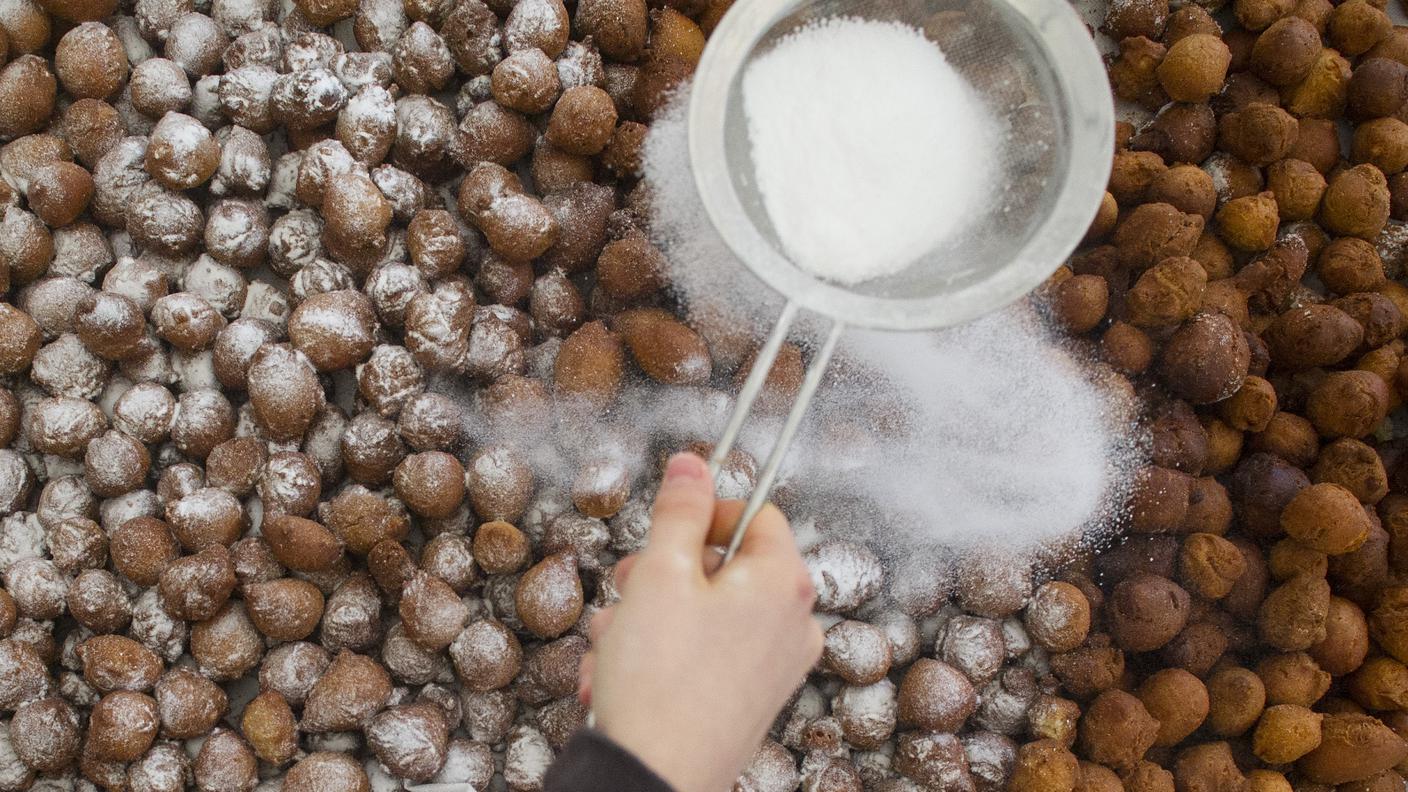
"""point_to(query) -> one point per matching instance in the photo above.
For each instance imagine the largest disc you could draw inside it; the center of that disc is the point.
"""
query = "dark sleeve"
(591, 762)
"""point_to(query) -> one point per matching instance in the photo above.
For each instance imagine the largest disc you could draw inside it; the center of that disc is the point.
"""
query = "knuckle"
(682, 500)
(816, 640)
(663, 563)
(805, 588)
(773, 515)
(624, 566)
(599, 621)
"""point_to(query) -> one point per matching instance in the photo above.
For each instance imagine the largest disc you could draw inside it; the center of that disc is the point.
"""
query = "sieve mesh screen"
(1052, 156)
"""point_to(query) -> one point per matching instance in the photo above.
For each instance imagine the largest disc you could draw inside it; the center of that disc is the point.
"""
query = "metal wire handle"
(762, 366)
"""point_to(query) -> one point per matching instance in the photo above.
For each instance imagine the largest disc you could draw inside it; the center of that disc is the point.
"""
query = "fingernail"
(686, 466)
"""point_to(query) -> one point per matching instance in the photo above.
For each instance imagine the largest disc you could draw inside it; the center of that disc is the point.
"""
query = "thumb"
(684, 508)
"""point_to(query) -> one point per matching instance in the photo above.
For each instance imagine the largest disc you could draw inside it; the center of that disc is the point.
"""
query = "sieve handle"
(762, 366)
(752, 386)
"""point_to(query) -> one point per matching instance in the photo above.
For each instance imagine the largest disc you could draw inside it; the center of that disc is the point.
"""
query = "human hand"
(689, 669)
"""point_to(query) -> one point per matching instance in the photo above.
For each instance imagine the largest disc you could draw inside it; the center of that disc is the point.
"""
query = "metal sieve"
(1034, 65)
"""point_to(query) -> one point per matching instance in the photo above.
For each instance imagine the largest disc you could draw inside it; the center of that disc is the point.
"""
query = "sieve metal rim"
(1079, 76)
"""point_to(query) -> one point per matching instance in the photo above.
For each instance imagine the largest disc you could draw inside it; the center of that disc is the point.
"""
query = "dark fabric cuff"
(592, 762)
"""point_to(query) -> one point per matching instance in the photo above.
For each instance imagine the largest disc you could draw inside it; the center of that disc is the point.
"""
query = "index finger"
(768, 553)
(768, 534)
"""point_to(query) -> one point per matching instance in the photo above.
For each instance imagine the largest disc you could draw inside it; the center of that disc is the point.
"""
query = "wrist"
(684, 768)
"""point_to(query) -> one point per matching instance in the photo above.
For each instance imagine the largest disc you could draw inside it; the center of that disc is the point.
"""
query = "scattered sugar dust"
(1005, 437)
